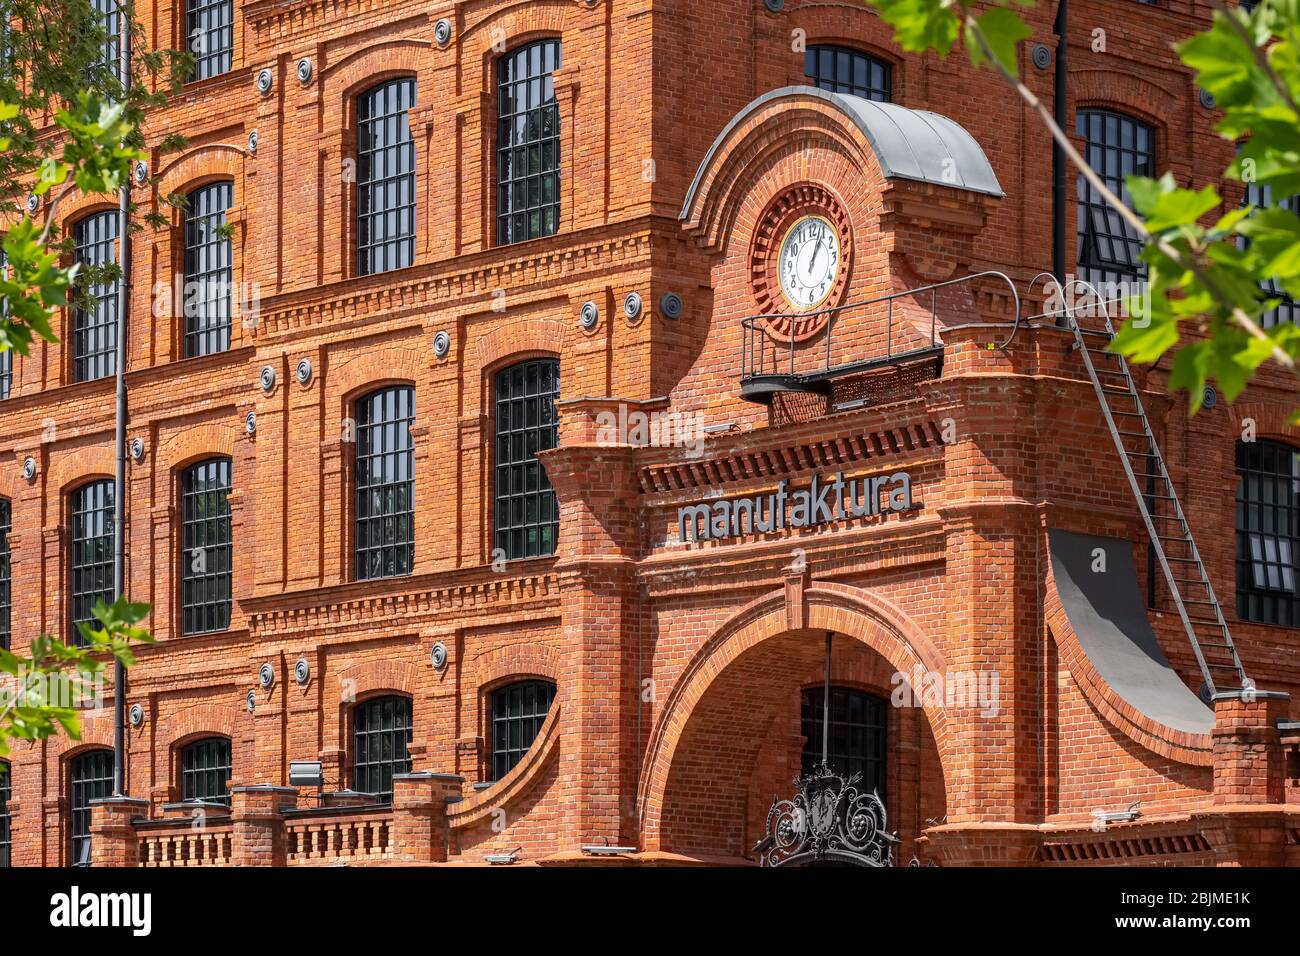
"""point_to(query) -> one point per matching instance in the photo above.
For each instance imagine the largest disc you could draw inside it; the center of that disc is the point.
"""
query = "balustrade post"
(420, 833)
(257, 815)
(113, 841)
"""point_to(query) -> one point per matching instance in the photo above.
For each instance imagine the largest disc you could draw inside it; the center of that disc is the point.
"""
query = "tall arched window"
(381, 734)
(842, 70)
(518, 712)
(1287, 310)
(527, 516)
(6, 790)
(208, 274)
(1115, 146)
(385, 178)
(94, 326)
(385, 483)
(90, 777)
(91, 552)
(210, 36)
(205, 547)
(857, 737)
(6, 572)
(1268, 532)
(528, 143)
(205, 770)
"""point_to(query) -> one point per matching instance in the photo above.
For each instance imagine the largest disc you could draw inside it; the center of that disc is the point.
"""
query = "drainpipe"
(1061, 113)
(119, 489)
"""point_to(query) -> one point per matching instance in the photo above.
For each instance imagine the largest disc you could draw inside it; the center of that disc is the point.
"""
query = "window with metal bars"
(6, 572)
(205, 547)
(527, 515)
(205, 770)
(108, 19)
(210, 35)
(381, 734)
(528, 143)
(839, 69)
(94, 320)
(7, 356)
(91, 552)
(518, 712)
(1287, 309)
(857, 737)
(385, 178)
(6, 840)
(385, 483)
(208, 273)
(1268, 532)
(90, 777)
(1115, 146)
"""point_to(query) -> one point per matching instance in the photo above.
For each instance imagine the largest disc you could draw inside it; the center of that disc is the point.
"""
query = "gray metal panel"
(1109, 618)
(909, 144)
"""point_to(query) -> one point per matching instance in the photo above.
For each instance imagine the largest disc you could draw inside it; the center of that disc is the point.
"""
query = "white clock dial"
(809, 262)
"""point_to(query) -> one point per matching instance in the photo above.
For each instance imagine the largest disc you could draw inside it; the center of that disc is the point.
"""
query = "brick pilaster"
(113, 841)
(257, 813)
(420, 831)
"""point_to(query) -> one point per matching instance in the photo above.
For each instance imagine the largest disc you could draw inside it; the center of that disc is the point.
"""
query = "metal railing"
(817, 360)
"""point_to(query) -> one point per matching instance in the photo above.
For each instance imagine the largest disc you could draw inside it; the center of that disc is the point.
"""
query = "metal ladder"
(1171, 538)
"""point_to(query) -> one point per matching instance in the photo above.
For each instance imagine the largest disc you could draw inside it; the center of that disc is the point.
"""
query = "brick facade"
(678, 666)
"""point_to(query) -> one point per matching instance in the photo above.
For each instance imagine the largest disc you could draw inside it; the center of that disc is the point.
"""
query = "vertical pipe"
(125, 14)
(1061, 113)
(826, 704)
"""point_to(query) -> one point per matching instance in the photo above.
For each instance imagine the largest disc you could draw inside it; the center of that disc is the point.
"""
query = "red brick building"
(457, 470)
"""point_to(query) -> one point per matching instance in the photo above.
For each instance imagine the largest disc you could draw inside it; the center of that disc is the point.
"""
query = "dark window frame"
(1288, 309)
(110, 49)
(1115, 144)
(528, 154)
(385, 222)
(208, 269)
(205, 587)
(7, 356)
(1268, 532)
(873, 725)
(6, 821)
(210, 18)
(868, 76)
(90, 777)
(525, 520)
(387, 730)
(383, 524)
(516, 712)
(94, 330)
(205, 766)
(94, 566)
(6, 573)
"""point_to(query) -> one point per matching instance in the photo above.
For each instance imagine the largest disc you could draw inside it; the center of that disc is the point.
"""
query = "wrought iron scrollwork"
(830, 820)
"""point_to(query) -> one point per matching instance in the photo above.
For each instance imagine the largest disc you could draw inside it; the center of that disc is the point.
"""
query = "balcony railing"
(905, 329)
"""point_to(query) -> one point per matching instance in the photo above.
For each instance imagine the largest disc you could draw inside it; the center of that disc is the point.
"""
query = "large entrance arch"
(729, 738)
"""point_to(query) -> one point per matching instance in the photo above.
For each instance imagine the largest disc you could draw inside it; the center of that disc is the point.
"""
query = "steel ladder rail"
(1141, 498)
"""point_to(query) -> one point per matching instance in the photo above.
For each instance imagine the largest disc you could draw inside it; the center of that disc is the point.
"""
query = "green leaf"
(920, 25)
(1002, 29)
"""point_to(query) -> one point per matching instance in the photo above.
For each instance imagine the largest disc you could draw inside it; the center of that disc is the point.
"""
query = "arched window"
(90, 777)
(527, 517)
(94, 322)
(528, 143)
(518, 712)
(1287, 310)
(205, 770)
(1268, 532)
(385, 178)
(6, 790)
(210, 36)
(385, 483)
(857, 737)
(91, 552)
(842, 70)
(1115, 146)
(6, 572)
(208, 275)
(205, 547)
(381, 734)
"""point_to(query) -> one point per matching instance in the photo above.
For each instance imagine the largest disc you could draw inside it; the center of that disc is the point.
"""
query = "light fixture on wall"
(306, 773)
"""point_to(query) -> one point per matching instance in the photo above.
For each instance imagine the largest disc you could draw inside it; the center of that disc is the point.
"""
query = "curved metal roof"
(909, 144)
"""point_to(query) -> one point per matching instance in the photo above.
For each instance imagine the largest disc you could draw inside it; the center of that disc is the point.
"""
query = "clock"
(800, 261)
(809, 262)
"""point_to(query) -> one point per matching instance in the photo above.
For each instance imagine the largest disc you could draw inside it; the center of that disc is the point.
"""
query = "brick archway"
(725, 710)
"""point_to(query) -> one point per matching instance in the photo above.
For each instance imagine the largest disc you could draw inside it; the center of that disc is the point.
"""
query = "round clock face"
(809, 263)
